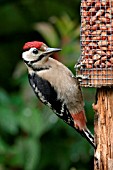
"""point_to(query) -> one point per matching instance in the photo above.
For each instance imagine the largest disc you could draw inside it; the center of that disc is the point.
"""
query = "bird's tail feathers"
(88, 135)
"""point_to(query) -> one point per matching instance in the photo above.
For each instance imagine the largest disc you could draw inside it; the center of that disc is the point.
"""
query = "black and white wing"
(47, 94)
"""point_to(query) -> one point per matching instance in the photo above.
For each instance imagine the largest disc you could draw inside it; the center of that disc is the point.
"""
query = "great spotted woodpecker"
(55, 85)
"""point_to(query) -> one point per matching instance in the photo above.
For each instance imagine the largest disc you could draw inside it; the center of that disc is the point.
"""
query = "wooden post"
(104, 129)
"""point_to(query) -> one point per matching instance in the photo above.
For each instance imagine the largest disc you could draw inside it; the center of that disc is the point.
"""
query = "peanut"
(103, 35)
(105, 20)
(110, 30)
(96, 57)
(108, 53)
(108, 64)
(102, 65)
(104, 58)
(111, 60)
(103, 27)
(97, 5)
(89, 66)
(100, 52)
(84, 5)
(99, 13)
(103, 48)
(87, 32)
(102, 43)
(110, 39)
(95, 27)
(96, 38)
(108, 15)
(93, 19)
(97, 32)
(97, 63)
(87, 48)
(110, 47)
(92, 45)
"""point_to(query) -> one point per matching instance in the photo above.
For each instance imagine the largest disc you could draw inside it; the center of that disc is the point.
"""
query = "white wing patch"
(41, 96)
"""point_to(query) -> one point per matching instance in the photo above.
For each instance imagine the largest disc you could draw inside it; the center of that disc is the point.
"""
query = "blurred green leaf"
(3, 147)
(4, 98)
(31, 121)
(65, 25)
(8, 121)
(25, 153)
(32, 155)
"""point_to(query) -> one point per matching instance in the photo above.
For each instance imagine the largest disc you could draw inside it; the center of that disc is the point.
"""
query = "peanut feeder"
(96, 61)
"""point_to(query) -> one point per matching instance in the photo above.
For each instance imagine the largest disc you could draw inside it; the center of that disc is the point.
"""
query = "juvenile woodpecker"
(55, 85)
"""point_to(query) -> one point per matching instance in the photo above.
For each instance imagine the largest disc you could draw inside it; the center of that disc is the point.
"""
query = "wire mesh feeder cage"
(96, 62)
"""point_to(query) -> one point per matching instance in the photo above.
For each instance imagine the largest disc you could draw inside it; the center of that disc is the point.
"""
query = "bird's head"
(35, 51)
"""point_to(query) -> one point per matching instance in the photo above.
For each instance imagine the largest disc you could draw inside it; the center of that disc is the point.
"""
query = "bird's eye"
(35, 51)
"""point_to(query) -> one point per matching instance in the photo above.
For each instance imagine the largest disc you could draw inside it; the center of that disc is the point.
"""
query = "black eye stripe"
(40, 57)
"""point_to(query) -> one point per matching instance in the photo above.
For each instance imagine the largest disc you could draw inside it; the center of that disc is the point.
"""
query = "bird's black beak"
(51, 50)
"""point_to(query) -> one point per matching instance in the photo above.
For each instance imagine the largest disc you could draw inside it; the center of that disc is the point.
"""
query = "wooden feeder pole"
(104, 129)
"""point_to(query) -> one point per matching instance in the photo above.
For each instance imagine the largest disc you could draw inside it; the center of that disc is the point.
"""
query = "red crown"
(35, 44)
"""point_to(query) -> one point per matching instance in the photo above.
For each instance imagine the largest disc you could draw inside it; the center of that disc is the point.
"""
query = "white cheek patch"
(29, 56)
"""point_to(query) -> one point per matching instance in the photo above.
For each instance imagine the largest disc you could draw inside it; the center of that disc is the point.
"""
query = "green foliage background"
(31, 136)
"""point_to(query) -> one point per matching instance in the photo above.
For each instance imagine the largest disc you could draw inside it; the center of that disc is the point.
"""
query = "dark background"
(31, 136)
